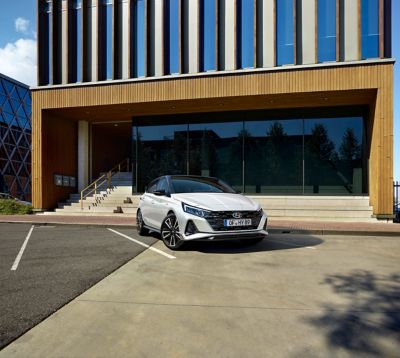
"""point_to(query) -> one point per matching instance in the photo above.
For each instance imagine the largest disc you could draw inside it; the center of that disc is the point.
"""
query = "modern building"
(15, 138)
(274, 96)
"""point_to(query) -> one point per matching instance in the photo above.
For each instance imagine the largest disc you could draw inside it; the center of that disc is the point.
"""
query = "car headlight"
(195, 211)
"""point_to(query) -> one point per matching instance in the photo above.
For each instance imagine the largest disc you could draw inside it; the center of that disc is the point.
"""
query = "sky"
(18, 53)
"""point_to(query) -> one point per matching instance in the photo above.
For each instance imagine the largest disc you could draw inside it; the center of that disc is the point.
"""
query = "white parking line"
(143, 244)
(21, 251)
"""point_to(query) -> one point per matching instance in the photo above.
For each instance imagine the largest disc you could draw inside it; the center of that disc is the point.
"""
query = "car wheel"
(140, 224)
(253, 241)
(170, 232)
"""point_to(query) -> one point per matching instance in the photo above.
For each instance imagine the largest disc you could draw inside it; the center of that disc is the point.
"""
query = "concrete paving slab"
(289, 296)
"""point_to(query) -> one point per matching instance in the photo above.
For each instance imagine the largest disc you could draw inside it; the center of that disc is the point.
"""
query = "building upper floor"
(98, 40)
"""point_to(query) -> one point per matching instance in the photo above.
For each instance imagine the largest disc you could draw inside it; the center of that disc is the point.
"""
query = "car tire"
(253, 241)
(142, 231)
(170, 233)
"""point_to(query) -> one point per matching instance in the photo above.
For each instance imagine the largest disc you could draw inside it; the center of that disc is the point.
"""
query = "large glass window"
(139, 38)
(259, 152)
(208, 40)
(108, 38)
(369, 28)
(216, 149)
(245, 33)
(333, 155)
(172, 34)
(161, 150)
(78, 7)
(284, 32)
(273, 156)
(326, 30)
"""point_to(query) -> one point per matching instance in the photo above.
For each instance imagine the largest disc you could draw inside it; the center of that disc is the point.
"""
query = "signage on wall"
(64, 180)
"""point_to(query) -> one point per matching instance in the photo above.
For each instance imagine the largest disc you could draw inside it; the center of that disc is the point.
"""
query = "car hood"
(217, 201)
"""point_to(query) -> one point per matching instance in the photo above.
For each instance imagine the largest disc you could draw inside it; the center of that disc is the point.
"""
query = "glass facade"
(284, 32)
(172, 34)
(139, 38)
(326, 30)
(108, 38)
(369, 29)
(15, 139)
(259, 152)
(208, 33)
(245, 33)
(78, 9)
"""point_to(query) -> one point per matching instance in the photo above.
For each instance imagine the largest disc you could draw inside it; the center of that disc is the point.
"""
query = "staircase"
(317, 208)
(116, 201)
(119, 201)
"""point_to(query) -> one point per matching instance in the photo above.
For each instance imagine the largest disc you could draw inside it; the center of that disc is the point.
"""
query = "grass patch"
(13, 207)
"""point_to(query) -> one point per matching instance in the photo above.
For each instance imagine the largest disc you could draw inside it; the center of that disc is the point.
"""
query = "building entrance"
(110, 144)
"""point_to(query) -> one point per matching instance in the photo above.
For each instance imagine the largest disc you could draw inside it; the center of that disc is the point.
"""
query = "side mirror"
(159, 192)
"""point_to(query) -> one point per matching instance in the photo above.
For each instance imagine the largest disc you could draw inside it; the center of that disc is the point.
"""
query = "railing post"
(95, 191)
(109, 180)
(81, 200)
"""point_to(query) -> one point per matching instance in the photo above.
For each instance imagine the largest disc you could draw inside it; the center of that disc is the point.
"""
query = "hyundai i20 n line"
(183, 208)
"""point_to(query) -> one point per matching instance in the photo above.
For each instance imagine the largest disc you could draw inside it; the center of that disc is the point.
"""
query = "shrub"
(13, 207)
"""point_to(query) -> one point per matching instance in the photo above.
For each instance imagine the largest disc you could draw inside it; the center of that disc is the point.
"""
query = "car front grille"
(216, 220)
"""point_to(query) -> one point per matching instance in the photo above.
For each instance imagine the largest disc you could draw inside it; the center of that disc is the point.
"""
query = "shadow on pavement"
(370, 323)
(270, 243)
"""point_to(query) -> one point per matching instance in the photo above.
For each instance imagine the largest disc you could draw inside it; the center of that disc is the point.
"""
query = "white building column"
(266, 33)
(191, 36)
(156, 38)
(83, 154)
(305, 19)
(349, 30)
(227, 48)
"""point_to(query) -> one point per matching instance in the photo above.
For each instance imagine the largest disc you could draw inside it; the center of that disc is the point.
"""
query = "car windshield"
(199, 185)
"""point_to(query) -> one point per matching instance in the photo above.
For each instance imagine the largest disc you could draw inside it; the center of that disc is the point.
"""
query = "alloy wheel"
(170, 232)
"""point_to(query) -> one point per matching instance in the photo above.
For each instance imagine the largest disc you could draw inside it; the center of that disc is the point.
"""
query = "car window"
(199, 185)
(152, 186)
(163, 185)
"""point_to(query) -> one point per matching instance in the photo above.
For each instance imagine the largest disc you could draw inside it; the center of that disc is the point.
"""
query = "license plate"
(237, 222)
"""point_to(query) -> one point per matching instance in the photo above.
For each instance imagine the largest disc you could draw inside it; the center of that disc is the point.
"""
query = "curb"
(272, 230)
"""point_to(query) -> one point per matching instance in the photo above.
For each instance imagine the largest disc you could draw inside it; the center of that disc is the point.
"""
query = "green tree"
(350, 148)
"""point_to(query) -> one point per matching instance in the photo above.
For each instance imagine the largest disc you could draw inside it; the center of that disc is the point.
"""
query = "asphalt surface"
(288, 296)
(58, 264)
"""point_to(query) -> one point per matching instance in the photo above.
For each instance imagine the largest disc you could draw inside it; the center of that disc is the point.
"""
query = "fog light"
(265, 224)
(191, 228)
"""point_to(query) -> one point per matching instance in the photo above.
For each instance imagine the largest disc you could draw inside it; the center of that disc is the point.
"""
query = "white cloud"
(18, 61)
(22, 25)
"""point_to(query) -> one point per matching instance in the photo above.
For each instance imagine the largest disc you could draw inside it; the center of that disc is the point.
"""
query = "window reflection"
(332, 150)
(215, 149)
(273, 157)
(258, 154)
(284, 32)
(326, 30)
(161, 150)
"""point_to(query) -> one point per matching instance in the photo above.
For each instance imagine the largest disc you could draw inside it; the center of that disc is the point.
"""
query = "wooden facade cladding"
(369, 83)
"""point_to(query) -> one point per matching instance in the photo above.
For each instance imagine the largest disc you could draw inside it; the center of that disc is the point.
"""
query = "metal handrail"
(107, 177)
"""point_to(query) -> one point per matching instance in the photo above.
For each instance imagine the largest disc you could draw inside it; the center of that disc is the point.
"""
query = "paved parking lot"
(58, 264)
(290, 296)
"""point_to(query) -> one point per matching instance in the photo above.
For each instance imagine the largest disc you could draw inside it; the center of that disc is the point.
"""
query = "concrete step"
(319, 213)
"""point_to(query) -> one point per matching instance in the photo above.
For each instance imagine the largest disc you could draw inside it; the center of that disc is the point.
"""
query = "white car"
(183, 208)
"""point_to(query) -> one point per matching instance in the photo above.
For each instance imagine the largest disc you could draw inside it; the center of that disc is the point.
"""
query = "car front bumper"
(206, 233)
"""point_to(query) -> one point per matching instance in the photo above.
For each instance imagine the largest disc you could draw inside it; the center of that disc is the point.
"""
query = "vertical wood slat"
(381, 30)
(337, 30)
(359, 26)
(84, 40)
(255, 33)
(316, 31)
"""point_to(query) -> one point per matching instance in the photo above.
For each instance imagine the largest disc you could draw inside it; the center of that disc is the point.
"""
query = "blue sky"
(18, 53)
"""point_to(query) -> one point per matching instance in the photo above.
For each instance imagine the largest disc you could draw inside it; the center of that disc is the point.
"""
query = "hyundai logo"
(237, 215)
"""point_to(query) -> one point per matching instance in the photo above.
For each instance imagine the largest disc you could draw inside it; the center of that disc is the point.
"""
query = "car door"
(147, 204)
(161, 206)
